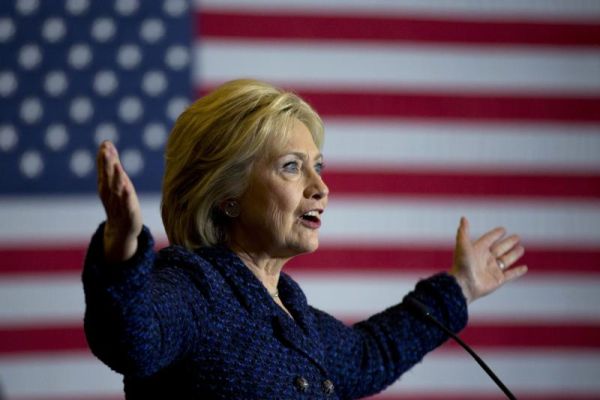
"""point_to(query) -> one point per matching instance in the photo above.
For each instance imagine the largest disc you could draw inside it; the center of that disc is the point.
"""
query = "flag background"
(433, 110)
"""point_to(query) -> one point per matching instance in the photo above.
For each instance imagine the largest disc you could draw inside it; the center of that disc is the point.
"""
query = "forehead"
(297, 139)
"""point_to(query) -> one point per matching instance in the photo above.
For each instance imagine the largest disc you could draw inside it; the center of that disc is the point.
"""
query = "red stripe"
(298, 26)
(453, 107)
(34, 259)
(457, 106)
(527, 336)
(348, 258)
(463, 183)
(411, 259)
(513, 336)
(46, 339)
(42, 339)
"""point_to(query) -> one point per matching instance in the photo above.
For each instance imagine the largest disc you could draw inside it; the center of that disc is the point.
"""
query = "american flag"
(433, 109)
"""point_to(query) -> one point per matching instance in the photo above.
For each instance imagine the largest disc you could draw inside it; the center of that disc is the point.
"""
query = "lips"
(311, 219)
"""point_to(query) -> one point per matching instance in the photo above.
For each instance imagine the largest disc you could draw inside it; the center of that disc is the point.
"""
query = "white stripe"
(353, 295)
(583, 10)
(381, 221)
(388, 67)
(68, 219)
(357, 144)
(53, 376)
(345, 295)
(365, 220)
(44, 299)
(525, 372)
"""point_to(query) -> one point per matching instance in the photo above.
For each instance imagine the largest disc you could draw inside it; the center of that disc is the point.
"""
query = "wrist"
(462, 282)
(119, 246)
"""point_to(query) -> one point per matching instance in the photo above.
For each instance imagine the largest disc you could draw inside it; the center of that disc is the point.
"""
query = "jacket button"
(327, 387)
(301, 383)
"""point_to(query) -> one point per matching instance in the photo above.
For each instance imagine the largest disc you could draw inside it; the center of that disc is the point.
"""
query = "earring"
(232, 209)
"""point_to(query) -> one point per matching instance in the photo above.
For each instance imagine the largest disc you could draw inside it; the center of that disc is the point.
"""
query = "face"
(280, 212)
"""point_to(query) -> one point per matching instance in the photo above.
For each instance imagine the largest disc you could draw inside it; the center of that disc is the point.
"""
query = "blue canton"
(77, 72)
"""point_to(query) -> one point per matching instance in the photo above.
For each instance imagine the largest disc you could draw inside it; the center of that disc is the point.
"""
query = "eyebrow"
(303, 156)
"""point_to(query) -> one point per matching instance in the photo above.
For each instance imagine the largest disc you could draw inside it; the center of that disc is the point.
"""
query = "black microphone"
(422, 311)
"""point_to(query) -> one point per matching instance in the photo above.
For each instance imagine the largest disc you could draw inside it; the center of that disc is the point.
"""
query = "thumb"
(463, 233)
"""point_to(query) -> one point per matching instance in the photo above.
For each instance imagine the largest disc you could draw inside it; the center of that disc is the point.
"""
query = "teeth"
(312, 213)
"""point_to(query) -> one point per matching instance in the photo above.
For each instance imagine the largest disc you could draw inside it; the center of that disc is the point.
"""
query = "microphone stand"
(422, 311)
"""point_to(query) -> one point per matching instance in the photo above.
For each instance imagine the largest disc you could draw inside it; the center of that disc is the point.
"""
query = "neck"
(266, 268)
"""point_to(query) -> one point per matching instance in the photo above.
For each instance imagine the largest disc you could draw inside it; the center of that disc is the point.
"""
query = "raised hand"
(483, 265)
(122, 207)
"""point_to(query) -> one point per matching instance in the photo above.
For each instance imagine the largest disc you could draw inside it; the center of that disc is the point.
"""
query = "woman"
(213, 316)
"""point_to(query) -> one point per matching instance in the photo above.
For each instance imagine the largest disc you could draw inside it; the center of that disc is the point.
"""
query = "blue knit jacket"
(199, 325)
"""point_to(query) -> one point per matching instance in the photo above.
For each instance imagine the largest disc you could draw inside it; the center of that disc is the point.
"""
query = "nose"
(316, 187)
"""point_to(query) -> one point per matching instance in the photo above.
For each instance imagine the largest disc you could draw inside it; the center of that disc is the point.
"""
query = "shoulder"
(188, 268)
(179, 256)
(213, 270)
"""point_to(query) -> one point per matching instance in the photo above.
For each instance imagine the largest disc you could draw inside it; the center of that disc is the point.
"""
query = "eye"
(291, 166)
(319, 168)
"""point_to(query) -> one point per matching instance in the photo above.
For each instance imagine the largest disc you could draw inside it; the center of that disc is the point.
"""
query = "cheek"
(285, 203)
(266, 211)
(278, 222)
(280, 211)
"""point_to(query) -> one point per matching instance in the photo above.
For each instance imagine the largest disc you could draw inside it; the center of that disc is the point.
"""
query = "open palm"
(483, 265)
(123, 213)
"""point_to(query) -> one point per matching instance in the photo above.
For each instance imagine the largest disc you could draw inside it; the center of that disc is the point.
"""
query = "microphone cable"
(421, 310)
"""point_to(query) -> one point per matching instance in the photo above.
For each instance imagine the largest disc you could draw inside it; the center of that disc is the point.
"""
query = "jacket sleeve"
(369, 356)
(138, 318)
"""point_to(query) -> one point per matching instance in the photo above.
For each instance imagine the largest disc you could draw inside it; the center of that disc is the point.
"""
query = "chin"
(311, 247)
(304, 248)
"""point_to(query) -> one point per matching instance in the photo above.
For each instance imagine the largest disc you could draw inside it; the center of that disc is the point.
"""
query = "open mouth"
(312, 216)
(311, 219)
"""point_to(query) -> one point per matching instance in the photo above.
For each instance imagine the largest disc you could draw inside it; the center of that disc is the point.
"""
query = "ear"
(231, 208)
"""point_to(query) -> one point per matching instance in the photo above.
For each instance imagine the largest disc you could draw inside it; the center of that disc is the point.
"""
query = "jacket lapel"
(299, 333)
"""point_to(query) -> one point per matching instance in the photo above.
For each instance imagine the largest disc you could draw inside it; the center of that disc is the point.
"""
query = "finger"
(127, 189)
(505, 245)
(463, 232)
(111, 157)
(118, 179)
(106, 148)
(105, 164)
(489, 238)
(512, 256)
(112, 167)
(101, 160)
(515, 273)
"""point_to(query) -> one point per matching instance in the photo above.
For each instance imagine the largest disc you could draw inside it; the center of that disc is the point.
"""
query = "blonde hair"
(211, 150)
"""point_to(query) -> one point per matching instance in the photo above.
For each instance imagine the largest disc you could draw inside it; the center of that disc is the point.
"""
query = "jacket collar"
(300, 333)
(246, 287)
